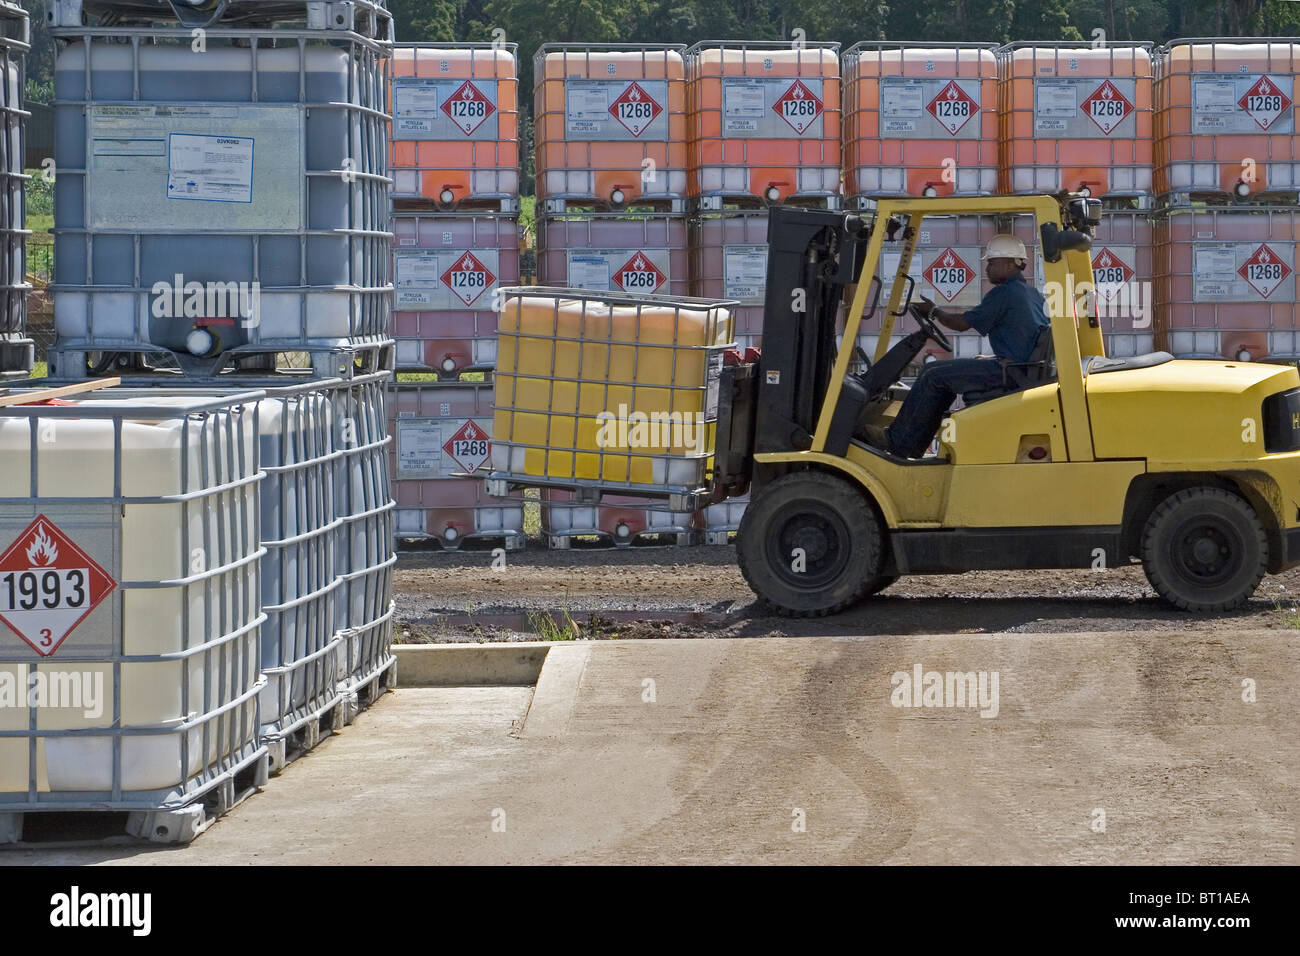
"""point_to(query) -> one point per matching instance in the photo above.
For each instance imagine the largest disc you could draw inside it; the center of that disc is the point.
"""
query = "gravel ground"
(446, 597)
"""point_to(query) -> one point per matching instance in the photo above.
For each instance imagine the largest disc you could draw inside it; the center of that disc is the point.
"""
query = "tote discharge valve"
(1075, 460)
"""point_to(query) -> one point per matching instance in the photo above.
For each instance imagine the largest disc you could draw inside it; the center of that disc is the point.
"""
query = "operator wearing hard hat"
(1012, 315)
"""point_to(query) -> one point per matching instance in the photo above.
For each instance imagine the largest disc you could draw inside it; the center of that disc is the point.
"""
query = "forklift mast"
(812, 255)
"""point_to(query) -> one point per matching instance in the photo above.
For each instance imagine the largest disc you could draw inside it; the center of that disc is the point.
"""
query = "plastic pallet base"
(681, 539)
(504, 205)
(576, 205)
(347, 362)
(178, 825)
(284, 747)
(719, 537)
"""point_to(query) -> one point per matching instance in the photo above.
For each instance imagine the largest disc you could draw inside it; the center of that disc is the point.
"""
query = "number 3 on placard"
(47, 637)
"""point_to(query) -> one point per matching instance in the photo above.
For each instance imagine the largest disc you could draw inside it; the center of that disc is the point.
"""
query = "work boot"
(875, 436)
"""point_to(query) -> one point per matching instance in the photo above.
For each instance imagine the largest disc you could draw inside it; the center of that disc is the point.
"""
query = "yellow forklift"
(1191, 467)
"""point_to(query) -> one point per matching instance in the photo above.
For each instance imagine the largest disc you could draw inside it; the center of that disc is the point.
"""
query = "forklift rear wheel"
(809, 544)
(1204, 549)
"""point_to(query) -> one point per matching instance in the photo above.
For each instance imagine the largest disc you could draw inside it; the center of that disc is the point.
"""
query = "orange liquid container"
(607, 252)
(764, 120)
(439, 432)
(1225, 116)
(1225, 282)
(1076, 118)
(455, 129)
(728, 252)
(610, 122)
(920, 120)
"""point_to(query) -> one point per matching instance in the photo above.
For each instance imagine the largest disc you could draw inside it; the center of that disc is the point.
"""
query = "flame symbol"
(470, 433)
(1264, 88)
(467, 93)
(1103, 260)
(1106, 93)
(638, 265)
(634, 93)
(42, 550)
(952, 91)
(1263, 254)
(468, 264)
(948, 260)
(798, 91)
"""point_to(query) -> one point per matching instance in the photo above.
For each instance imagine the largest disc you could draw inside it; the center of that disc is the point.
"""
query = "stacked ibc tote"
(17, 352)
(455, 224)
(764, 127)
(1228, 175)
(211, 545)
(610, 125)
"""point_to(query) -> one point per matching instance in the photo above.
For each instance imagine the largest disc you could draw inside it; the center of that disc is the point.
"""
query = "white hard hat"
(1003, 246)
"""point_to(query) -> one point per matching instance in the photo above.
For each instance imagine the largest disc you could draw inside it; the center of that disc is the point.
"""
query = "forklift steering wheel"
(930, 327)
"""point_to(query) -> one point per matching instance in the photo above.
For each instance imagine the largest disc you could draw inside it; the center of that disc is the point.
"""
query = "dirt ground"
(668, 592)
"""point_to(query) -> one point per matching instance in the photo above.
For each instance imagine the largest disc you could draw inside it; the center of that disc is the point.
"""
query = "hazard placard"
(952, 107)
(1264, 102)
(635, 108)
(468, 278)
(48, 586)
(1110, 273)
(468, 107)
(949, 274)
(1265, 270)
(1107, 107)
(469, 446)
(798, 106)
(639, 274)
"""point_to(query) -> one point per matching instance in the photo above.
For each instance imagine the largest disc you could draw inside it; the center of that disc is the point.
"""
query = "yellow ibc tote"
(602, 390)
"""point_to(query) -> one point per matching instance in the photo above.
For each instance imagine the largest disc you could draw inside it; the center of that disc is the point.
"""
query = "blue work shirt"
(1012, 315)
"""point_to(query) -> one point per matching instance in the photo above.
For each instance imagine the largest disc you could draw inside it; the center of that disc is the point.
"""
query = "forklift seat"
(1038, 369)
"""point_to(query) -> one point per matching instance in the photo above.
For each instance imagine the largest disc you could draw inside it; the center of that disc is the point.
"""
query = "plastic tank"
(446, 271)
(1225, 116)
(920, 119)
(365, 556)
(130, 540)
(1076, 118)
(439, 432)
(764, 119)
(1225, 283)
(621, 519)
(614, 252)
(603, 391)
(729, 261)
(230, 200)
(17, 352)
(609, 122)
(455, 133)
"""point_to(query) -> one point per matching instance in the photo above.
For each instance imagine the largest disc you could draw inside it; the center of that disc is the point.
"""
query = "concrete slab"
(1105, 748)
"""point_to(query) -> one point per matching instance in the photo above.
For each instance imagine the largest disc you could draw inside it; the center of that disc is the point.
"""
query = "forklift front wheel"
(810, 544)
(1204, 549)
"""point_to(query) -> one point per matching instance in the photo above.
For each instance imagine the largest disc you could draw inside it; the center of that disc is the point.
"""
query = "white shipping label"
(1249, 271)
(419, 448)
(744, 270)
(415, 104)
(903, 98)
(444, 279)
(620, 270)
(443, 109)
(772, 108)
(148, 164)
(588, 272)
(1054, 100)
(217, 168)
(616, 110)
(1243, 103)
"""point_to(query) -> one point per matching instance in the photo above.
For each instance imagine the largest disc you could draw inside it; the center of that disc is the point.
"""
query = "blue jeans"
(928, 401)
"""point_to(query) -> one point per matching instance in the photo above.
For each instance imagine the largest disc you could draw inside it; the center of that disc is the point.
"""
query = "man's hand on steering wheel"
(925, 320)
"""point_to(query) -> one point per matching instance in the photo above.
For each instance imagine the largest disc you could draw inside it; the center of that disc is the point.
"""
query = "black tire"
(838, 531)
(1204, 549)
